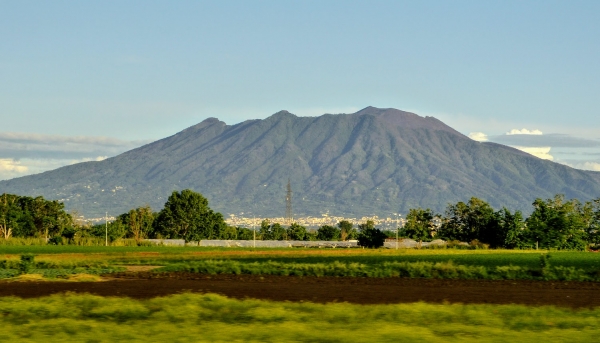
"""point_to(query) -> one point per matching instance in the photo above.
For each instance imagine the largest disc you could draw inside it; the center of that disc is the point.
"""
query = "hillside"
(375, 161)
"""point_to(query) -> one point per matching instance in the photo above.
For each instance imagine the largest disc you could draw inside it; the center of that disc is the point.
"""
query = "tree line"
(555, 223)
(186, 215)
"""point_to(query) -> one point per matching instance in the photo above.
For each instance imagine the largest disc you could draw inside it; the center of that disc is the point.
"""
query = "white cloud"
(524, 132)
(10, 165)
(11, 168)
(18, 145)
(539, 152)
(478, 136)
(584, 165)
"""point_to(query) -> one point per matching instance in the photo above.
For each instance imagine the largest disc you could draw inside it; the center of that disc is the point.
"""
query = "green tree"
(186, 215)
(245, 234)
(369, 236)
(229, 233)
(556, 223)
(139, 222)
(48, 217)
(113, 230)
(296, 232)
(512, 230)
(347, 230)
(593, 230)
(10, 213)
(419, 224)
(273, 232)
(467, 222)
(265, 230)
(328, 233)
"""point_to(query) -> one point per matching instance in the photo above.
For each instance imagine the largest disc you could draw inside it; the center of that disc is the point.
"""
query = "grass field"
(213, 318)
(478, 264)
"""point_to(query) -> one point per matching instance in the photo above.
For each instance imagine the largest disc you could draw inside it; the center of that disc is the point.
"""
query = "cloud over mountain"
(31, 153)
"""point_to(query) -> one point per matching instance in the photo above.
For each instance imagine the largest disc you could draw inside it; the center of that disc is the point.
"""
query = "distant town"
(389, 223)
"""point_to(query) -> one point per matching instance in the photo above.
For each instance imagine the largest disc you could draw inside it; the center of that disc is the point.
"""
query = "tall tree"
(139, 222)
(467, 222)
(9, 215)
(512, 231)
(186, 215)
(557, 223)
(419, 224)
(347, 230)
(593, 230)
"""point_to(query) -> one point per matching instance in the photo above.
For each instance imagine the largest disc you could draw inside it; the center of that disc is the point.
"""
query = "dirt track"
(326, 289)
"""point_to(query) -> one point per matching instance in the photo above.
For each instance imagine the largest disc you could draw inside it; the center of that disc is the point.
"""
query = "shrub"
(27, 263)
(371, 238)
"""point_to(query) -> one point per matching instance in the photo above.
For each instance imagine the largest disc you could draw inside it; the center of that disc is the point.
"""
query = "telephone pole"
(288, 203)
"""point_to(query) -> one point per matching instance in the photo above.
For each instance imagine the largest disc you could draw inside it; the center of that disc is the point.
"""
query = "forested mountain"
(375, 161)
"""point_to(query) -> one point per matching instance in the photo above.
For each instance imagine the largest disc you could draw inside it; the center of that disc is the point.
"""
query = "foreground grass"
(213, 318)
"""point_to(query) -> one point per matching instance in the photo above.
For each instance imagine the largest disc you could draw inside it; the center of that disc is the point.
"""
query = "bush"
(371, 238)
(27, 263)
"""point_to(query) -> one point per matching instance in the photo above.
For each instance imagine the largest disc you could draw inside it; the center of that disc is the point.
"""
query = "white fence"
(403, 243)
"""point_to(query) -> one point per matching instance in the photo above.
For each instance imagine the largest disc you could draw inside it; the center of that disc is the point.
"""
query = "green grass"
(443, 270)
(494, 264)
(213, 318)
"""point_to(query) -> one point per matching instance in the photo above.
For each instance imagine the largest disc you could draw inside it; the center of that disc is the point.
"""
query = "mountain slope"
(375, 161)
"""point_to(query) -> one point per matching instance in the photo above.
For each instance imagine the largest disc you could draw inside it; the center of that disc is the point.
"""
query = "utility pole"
(253, 232)
(288, 203)
(106, 230)
(397, 229)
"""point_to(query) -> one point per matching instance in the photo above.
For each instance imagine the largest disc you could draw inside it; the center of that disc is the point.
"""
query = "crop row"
(423, 269)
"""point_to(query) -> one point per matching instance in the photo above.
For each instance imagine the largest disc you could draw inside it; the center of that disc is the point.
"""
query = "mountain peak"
(283, 113)
(405, 119)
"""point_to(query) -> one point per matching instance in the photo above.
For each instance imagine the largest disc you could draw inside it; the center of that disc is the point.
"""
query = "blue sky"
(83, 80)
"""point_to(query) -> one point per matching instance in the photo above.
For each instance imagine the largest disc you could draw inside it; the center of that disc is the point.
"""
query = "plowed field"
(324, 289)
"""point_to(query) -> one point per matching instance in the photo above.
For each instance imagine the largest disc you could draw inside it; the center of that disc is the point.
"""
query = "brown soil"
(325, 289)
(144, 268)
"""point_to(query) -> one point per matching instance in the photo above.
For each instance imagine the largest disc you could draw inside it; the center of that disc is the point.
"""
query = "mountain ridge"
(372, 162)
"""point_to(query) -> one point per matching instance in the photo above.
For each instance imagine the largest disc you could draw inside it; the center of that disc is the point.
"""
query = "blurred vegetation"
(214, 318)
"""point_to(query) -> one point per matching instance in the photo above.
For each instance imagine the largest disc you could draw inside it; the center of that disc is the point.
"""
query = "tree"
(512, 230)
(556, 223)
(369, 236)
(593, 230)
(328, 233)
(245, 234)
(296, 232)
(186, 215)
(139, 222)
(419, 224)
(9, 215)
(112, 231)
(230, 232)
(468, 222)
(274, 232)
(347, 230)
(48, 218)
